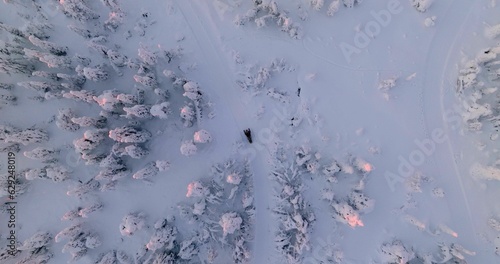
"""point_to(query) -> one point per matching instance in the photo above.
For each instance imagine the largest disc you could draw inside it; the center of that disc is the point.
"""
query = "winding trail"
(444, 47)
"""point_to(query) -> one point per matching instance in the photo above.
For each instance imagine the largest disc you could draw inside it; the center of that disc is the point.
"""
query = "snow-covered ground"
(374, 131)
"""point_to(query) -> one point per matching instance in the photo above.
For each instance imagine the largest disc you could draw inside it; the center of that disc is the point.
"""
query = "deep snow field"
(374, 131)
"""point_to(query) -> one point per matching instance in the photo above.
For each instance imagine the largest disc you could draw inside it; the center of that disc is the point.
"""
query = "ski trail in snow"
(432, 79)
(206, 37)
(359, 69)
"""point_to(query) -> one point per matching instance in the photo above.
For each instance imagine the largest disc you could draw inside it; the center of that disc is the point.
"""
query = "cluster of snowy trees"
(255, 79)
(56, 173)
(118, 134)
(478, 92)
(421, 5)
(348, 210)
(80, 239)
(222, 208)
(82, 212)
(477, 87)
(189, 147)
(294, 214)
(35, 249)
(13, 135)
(396, 251)
(166, 244)
(265, 12)
(334, 5)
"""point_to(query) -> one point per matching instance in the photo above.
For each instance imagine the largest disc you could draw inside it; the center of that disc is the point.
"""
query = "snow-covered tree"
(146, 173)
(117, 60)
(107, 100)
(28, 136)
(21, 185)
(12, 30)
(344, 213)
(333, 7)
(83, 32)
(421, 5)
(75, 81)
(12, 66)
(70, 232)
(108, 258)
(482, 172)
(202, 136)
(10, 49)
(162, 165)
(8, 99)
(188, 148)
(91, 140)
(396, 252)
(39, 255)
(163, 237)
(188, 249)
(123, 258)
(10, 148)
(51, 60)
(84, 188)
(147, 56)
(71, 215)
(85, 121)
(148, 80)
(97, 74)
(6, 130)
(86, 211)
(64, 122)
(492, 32)
(57, 173)
(234, 178)
(129, 134)
(192, 91)
(196, 189)
(47, 155)
(32, 174)
(317, 4)
(113, 168)
(241, 253)
(131, 223)
(37, 241)
(38, 86)
(114, 21)
(48, 46)
(187, 114)
(47, 75)
(78, 10)
(136, 151)
(82, 95)
(138, 111)
(93, 241)
(129, 99)
(360, 202)
(100, 49)
(6, 86)
(230, 223)
(161, 110)
(351, 3)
